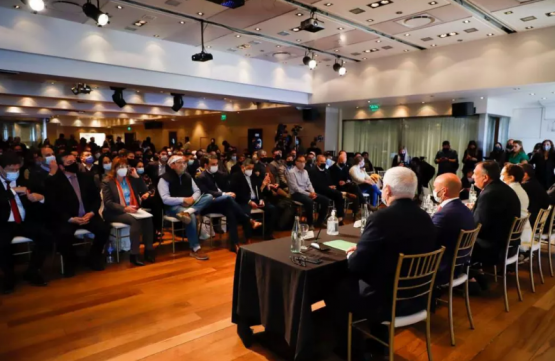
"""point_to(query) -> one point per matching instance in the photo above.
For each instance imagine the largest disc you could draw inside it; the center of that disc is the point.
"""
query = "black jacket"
(339, 174)
(152, 171)
(239, 185)
(320, 179)
(110, 196)
(538, 198)
(31, 209)
(209, 183)
(544, 168)
(496, 209)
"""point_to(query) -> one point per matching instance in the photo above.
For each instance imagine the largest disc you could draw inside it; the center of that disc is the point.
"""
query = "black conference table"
(270, 290)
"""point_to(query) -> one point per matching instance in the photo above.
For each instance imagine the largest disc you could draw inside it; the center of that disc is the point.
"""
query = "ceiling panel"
(344, 39)
(254, 12)
(189, 7)
(496, 5)
(243, 45)
(535, 15)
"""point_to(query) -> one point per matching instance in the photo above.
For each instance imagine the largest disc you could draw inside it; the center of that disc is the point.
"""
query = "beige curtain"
(380, 138)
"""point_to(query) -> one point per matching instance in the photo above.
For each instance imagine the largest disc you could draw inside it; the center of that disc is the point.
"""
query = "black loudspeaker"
(118, 97)
(154, 125)
(463, 109)
(177, 102)
(310, 114)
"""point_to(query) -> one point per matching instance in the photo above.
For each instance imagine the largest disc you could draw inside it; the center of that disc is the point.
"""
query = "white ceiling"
(348, 38)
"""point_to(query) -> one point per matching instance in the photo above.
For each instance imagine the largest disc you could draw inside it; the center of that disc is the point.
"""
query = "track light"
(118, 97)
(81, 88)
(94, 13)
(177, 102)
(310, 61)
(35, 5)
(340, 68)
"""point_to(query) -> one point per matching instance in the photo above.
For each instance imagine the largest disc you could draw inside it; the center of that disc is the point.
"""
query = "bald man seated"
(452, 217)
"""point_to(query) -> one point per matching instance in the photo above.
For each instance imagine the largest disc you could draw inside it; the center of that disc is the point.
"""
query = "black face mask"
(72, 168)
(498, 148)
(322, 166)
(309, 161)
(277, 157)
(510, 148)
(446, 149)
(290, 163)
(132, 162)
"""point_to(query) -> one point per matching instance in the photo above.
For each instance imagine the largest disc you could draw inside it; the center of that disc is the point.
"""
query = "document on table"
(141, 214)
(309, 235)
(340, 244)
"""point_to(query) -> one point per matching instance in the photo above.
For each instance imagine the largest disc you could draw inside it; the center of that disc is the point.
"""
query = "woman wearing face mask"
(401, 159)
(231, 162)
(512, 175)
(467, 183)
(472, 155)
(544, 163)
(497, 154)
(122, 195)
(518, 155)
(105, 166)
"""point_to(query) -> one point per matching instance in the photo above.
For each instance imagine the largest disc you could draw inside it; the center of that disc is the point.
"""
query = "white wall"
(532, 125)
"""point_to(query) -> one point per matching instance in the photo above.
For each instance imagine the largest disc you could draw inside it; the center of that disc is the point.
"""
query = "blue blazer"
(452, 218)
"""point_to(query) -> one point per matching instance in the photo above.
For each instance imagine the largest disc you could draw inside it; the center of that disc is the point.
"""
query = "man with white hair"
(402, 227)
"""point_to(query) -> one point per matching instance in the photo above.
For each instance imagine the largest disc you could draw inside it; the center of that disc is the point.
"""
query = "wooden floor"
(179, 309)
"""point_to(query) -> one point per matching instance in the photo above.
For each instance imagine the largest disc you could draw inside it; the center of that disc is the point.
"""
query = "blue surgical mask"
(12, 176)
(234, 158)
(107, 166)
(190, 161)
(140, 170)
(89, 159)
(49, 159)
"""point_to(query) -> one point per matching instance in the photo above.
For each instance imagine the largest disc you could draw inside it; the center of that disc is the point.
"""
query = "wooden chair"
(536, 245)
(549, 239)
(415, 274)
(461, 263)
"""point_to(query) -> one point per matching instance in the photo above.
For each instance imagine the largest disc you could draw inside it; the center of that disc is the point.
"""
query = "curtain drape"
(380, 138)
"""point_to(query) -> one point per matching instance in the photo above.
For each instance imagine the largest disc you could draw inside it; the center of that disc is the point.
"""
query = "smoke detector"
(418, 21)
(282, 55)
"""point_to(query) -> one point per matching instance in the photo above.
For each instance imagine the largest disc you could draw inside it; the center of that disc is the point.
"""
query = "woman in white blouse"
(364, 181)
(512, 175)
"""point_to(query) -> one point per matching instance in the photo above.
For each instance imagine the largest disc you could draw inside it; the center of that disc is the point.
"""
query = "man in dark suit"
(321, 181)
(87, 165)
(447, 159)
(74, 200)
(19, 218)
(156, 169)
(373, 261)
(536, 193)
(193, 164)
(452, 217)
(340, 178)
(496, 209)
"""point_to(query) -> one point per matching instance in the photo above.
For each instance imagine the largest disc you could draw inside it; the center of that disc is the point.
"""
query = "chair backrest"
(463, 251)
(513, 240)
(551, 223)
(415, 277)
(539, 226)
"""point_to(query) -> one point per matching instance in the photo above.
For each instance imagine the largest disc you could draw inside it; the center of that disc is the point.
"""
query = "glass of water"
(304, 231)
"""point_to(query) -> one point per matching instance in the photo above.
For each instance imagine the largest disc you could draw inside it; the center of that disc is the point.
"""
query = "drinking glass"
(304, 231)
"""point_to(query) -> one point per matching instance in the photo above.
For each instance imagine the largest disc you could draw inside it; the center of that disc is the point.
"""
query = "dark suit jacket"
(192, 169)
(496, 208)
(110, 196)
(63, 201)
(239, 185)
(209, 183)
(5, 207)
(449, 221)
(339, 174)
(538, 198)
(152, 171)
(321, 180)
(375, 260)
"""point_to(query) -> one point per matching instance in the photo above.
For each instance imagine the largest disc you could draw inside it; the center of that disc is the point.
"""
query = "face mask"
(107, 166)
(322, 166)
(341, 164)
(49, 159)
(436, 197)
(169, 154)
(329, 162)
(510, 148)
(97, 155)
(497, 148)
(277, 157)
(190, 161)
(140, 170)
(12, 176)
(132, 162)
(446, 149)
(361, 164)
(290, 163)
(164, 158)
(248, 172)
(213, 169)
(234, 158)
(72, 168)
(547, 147)
(122, 172)
(89, 159)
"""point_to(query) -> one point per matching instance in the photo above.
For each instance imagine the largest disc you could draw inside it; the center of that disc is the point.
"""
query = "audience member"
(279, 171)
(158, 167)
(61, 142)
(537, 149)
(237, 166)
(401, 159)
(512, 175)
(122, 194)
(314, 149)
(364, 181)
(467, 182)
(447, 159)
(518, 155)
(231, 161)
(212, 147)
(321, 181)
(544, 164)
(497, 154)
(87, 165)
(472, 155)
(368, 167)
(537, 195)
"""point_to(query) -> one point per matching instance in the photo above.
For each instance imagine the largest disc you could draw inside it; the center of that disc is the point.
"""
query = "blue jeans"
(373, 190)
(191, 228)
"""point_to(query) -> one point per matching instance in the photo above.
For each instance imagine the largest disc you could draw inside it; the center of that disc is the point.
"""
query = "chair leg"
(451, 328)
(117, 244)
(467, 301)
(505, 295)
(210, 231)
(349, 336)
(532, 285)
(173, 237)
(518, 283)
(549, 254)
(428, 338)
(540, 266)
(62, 263)
(495, 273)
(392, 338)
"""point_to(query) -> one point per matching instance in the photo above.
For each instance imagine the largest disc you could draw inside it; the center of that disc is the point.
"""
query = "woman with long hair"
(544, 163)
(518, 155)
(497, 154)
(122, 194)
(472, 156)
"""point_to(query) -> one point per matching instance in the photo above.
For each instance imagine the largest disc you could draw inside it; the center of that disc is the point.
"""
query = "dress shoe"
(150, 255)
(255, 224)
(35, 278)
(136, 260)
(8, 286)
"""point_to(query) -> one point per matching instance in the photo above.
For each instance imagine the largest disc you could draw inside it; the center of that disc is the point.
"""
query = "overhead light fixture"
(551, 13)
(447, 35)
(532, 93)
(364, 58)
(200, 13)
(433, 3)
(328, 4)
(370, 20)
(310, 61)
(491, 34)
(118, 97)
(466, 21)
(377, 4)
(298, 40)
(339, 68)
(140, 23)
(423, 102)
(508, 12)
(202, 56)
(407, 34)
(433, 45)
(312, 24)
(529, 27)
(336, 50)
(544, 98)
(257, 29)
(17, 7)
(94, 13)
(156, 36)
(299, 14)
(81, 88)
(340, 28)
(296, 29)
(378, 41)
(119, 7)
(482, 98)
(406, 50)
(278, 46)
(177, 102)
(237, 36)
(208, 47)
(35, 5)
(182, 22)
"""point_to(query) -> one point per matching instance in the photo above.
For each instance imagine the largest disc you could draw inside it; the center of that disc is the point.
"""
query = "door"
(129, 138)
(172, 139)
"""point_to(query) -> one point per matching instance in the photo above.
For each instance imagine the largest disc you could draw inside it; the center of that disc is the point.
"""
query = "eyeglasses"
(298, 260)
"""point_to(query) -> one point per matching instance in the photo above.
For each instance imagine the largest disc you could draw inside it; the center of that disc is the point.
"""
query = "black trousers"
(65, 234)
(234, 215)
(353, 189)
(41, 237)
(308, 205)
(337, 198)
(155, 205)
(270, 216)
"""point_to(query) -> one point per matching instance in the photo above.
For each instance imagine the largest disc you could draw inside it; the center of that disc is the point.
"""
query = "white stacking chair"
(118, 233)
(208, 220)
(22, 240)
(549, 240)
(414, 278)
(536, 245)
(85, 237)
(173, 221)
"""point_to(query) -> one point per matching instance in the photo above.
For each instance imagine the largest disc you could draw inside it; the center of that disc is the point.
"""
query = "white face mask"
(248, 172)
(436, 197)
(122, 172)
(164, 158)
(361, 164)
(213, 169)
(49, 159)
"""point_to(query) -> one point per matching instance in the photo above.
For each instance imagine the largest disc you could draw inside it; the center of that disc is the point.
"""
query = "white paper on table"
(357, 224)
(309, 235)
(141, 214)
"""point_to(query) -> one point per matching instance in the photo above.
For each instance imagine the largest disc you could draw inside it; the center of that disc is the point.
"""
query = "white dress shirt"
(17, 200)
(161, 169)
(253, 195)
(299, 181)
(446, 202)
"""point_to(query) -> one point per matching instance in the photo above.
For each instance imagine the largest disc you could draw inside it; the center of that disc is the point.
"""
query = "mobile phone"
(320, 246)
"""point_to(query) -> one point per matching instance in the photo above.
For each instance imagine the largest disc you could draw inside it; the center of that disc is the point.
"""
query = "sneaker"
(255, 224)
(184, 217)
(200, 255)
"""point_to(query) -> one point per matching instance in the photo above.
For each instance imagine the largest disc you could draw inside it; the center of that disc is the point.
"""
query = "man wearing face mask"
(452, 217)
(237, 166)
(19, 218)
(321, 181)
(193, 164)
(75, 203)
(87, 165)
(232, 161)
(310, 157)
(212, 147)
(157, 168)
(341, 179)
(447, 159)
(279, 170)
(47, 168)
(364, 181)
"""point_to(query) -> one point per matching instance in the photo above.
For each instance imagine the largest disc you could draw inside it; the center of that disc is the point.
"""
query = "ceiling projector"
(232, 4)
(202, 56)
(312, 25)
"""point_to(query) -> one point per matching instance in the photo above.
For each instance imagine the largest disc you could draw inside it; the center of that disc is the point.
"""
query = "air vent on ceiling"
(149, 17)
(418, 21)
(472, 30)
(254, 42)
(356, 54)
(283, 33)
(387, 47)
(281, 55)
(232, 50)
(528, 18)
(356, 11)
(244, 46)
(130, 28)
(172, 3)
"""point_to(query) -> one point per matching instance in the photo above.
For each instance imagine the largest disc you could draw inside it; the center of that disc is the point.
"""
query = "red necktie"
(439, 208)
(13, 204)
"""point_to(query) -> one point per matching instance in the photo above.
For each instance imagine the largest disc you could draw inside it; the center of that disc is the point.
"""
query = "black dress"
(544, 168)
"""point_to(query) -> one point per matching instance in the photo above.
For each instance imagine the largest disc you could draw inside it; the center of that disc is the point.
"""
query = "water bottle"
(296, 236)
(363, 216)
(109, 258)
(472, 195)
(333, 224)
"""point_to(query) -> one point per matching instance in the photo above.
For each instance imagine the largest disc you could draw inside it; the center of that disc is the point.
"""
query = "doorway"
(129, 138)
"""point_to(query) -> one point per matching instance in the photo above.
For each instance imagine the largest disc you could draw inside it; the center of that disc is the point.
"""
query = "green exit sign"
(224, 117)
(374, 107)
(128, 128)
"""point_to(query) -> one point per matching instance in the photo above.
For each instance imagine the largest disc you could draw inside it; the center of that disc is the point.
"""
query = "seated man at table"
(321, 181)
(340, 178)
(373, 261)
(301, 190)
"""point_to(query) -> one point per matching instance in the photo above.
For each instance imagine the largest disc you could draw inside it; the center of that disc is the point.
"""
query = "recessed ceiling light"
(340, 28)
(399, 12)
(364, 58)
(544, 98)
(370, 20)
(357, 107)
(237, 36)
(528, 18)
(453, 99)
(182, 22)
(407, 34)
(278, 46)
(466, 21)
(328, 105)
(516, 88)
(367, 51)
(406, 50)
(378, 41)
(336, 50)
(423, 102)
(257, 29)
(482, 98)
(529, 27)
(119, 7)
(156, 36)
(491, 34)
(16, 6)
(508, 12)
(369, 101)
(138, 91)
(433, 45)
(532, 93)
(328, 4)
(200, 13)
(52, 83)
(315, 55)
(433, 3)
(296, 29)
(208, 46)
(453, 34)
(298, 40)
(299, 14)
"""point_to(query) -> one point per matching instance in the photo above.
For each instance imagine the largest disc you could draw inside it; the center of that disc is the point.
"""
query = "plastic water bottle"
(109, 258)
(472, 196)
(363, 216)
(296, 236)
(333, 224)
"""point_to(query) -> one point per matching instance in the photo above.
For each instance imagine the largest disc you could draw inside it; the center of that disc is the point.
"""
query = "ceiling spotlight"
(177, 102)
(312, 64)
(328, 4)
(296, 29)
(340, 28)
(551, 13)
(466, 21)
(200, 13)
(532, 93)
(544, 98)
(433, 3)
(406, 50)
(336, 50)
(237, 36)
(81, 88)
(119, 7)
(370, 20)
(377, 4)
(35, 5)
(529, 27)
(407, 34)
(339, 68)
(491, 34)
(257, 29)
(367, 50)
(94, 13)
(118, 97)
(156, 36)
(433, 45)
(16, 7)
(182, 22)
(298, 40)
(278, 46)
(508, 12)
(482, 98)
(208, 47)
(423, 102)
(364, 58)
(299, 14)
(378, 41)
